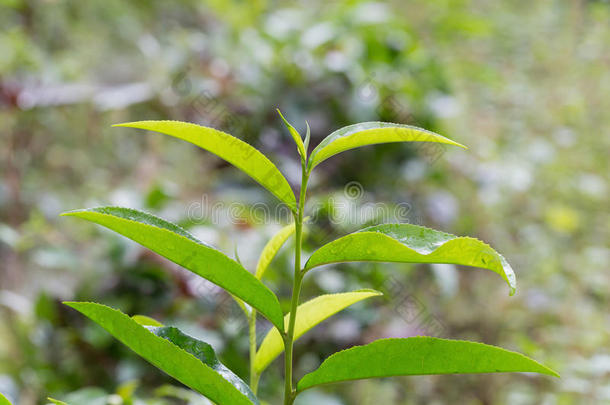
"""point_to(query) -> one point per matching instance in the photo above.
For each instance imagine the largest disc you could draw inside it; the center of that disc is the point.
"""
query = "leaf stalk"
(289, 391)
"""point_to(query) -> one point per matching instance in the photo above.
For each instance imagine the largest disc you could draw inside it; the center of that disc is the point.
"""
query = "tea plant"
(194, 362)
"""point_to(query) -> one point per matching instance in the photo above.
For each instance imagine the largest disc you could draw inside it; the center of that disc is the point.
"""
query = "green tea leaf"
(271, 249)
(146, 320)
(309, 315)
(190, 361)
(307, 136)
(3, 400)
(408, 243)
(371, 133)
(233, 150)
(418, 356)
(205, 353)
(55, 401)
(296, 136)
(179, 246)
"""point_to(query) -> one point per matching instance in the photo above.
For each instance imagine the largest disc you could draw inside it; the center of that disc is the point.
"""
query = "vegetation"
(194, 362)
(524, 85)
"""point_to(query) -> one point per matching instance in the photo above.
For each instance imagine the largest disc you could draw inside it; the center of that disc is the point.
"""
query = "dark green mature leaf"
(371, 133)
(309, 315)
(233, 150)
(205, 353)
(408, 243)
(186, 359)
(177, 245)
(418, 356)
(3, 400)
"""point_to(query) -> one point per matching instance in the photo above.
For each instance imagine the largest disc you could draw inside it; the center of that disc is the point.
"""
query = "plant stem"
(289, 393)
(254, 376)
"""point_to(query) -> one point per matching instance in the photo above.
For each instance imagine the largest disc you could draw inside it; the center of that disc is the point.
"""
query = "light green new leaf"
(296, 136)
(179, 246)
(408, 243)
(271, 249)
(371, 133)
(418, 356)
(186, 359)
(3, 400)
(146, 320)
(53, 400)
(233, 150)
(307, 136)
(309, 315)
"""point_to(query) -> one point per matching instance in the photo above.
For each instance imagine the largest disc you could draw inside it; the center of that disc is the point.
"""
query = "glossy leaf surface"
(190, 361)
(205, 353)
(371, 133)
(179, 246)
(418, 356)
(408, 243)
(309, 315)
(233, 150)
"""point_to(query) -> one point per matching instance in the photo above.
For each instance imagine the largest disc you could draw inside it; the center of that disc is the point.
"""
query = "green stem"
(289, 392)
(254, 376)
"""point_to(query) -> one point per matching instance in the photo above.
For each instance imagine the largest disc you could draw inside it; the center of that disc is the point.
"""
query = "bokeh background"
(526, 85)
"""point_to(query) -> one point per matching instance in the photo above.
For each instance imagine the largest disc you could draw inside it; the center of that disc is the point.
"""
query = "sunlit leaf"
(418, 356)
(295, 135)
(190, 361)
(53, 400)
(177, 245)
(146, 320)
(233, 150)
(271, 249)
(371, 133)
(408, 243)
(309, 315)
(4, 400)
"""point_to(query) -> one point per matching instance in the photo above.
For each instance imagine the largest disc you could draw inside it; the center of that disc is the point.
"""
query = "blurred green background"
(526, 85)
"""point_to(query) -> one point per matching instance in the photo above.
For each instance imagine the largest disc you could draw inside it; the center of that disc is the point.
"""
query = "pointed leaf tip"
(419, 356)
(407, 243)
(295, 136)
(372, 133)
(309, 314)
(272, 248)
(188, 360)
(233, 150)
